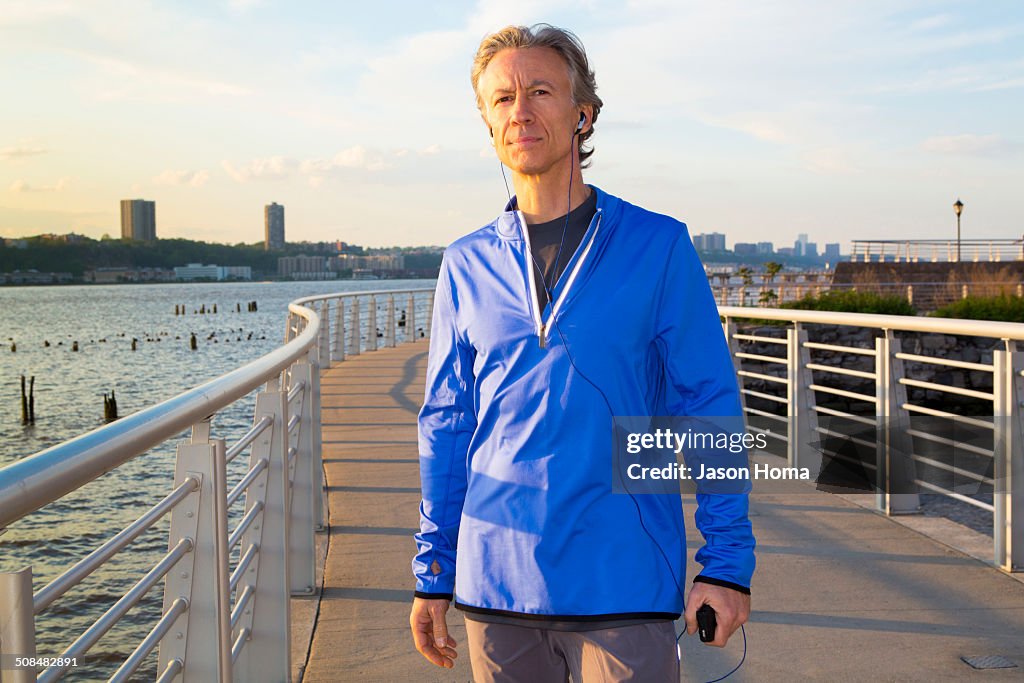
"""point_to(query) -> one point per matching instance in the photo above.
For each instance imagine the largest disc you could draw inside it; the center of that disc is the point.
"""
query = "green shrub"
(852, 301)
(1003, 307)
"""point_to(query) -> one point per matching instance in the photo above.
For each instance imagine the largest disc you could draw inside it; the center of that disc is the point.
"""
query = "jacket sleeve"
(446, 423)
(702, 382)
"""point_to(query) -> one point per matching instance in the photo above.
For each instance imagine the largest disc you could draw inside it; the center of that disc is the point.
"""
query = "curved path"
(841, 593)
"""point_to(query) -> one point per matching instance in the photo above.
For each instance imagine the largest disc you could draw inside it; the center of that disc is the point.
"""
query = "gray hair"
(566, 44)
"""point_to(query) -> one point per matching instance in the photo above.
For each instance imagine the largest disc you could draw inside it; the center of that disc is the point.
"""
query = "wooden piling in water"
(110, 407)
(32, 400)
(24, 402)
(74, 346)
(192, 343)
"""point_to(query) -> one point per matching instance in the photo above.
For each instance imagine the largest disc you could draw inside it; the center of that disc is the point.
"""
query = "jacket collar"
(509, 221)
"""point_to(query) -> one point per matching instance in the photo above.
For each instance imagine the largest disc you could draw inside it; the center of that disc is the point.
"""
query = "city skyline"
(851, 120)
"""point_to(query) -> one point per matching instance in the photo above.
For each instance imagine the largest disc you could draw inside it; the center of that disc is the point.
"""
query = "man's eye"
(539, 91)
(505, 98)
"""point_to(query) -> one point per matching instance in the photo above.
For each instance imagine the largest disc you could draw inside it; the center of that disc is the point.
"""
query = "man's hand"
(430, 631)
(732, 609)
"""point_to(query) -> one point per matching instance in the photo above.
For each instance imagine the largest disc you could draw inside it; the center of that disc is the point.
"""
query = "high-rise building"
(765, 248)
(832, 251)
(744, 248)
(273, 224)
(712, 241)
(138, 220)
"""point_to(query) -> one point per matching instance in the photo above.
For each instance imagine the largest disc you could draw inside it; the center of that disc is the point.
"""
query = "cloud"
(270, 168)
(968, 145)
(191, 178)
(22, 186)
(932, 22)
(20, 152)
(357, 157)
(430, 151)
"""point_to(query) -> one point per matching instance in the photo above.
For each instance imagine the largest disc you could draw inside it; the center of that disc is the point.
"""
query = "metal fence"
(226, 609)
(919, 251)
(787, 380)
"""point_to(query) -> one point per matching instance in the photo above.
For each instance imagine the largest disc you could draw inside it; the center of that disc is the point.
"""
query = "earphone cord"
(608, 405)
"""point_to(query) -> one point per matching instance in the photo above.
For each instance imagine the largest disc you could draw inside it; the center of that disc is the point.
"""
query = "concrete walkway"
(840, 594)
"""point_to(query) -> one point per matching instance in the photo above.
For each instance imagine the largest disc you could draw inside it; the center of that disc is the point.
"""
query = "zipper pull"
(542, 338)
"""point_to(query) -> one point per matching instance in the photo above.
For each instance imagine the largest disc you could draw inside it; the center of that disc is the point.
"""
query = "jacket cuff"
(700, 578)
(434, 596)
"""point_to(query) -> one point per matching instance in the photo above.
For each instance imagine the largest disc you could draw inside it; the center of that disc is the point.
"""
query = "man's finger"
(440, 627)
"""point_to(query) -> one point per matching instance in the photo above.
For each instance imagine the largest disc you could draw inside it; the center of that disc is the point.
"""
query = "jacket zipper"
(542, 328)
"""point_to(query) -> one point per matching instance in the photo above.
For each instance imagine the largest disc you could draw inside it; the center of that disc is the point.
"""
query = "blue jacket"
(515, 446)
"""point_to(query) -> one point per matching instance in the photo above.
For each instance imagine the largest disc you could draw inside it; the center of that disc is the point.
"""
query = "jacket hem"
(672, 616)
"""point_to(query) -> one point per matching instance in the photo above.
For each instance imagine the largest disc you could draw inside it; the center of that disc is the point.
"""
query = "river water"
(43, 324)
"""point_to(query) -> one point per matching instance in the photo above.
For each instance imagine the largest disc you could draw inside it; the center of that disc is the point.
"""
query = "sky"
(846, 119)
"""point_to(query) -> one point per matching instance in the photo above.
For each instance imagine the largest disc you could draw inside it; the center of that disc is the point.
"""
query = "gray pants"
(501, 653)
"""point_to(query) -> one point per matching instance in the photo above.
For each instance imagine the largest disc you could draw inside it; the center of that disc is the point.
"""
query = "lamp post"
(958, 207)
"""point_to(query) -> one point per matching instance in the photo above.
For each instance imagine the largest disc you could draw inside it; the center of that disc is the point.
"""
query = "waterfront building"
(138, 220)
(273, 226)
(198, 271)
(304, 267)
(765, 248)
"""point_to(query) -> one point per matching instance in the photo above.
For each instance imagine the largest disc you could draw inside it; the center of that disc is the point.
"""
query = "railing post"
(302, 570)
(1008, 388)
(429, 317)
(316, 443)
(800, 398)
(729, 329)
(197, 639)
(410, 319)
(389, 334)
(267, 657)
(896, 470)
(371, 325)
(17, 625)
(323, 337)
(339, 339)
(354, 330)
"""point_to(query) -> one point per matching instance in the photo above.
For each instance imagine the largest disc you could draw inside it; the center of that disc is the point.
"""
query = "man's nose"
(522, 113)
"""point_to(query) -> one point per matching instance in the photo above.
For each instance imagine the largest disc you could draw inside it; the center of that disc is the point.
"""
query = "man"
(571, 307)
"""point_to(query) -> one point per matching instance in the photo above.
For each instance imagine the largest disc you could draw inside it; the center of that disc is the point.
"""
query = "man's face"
(527, 100)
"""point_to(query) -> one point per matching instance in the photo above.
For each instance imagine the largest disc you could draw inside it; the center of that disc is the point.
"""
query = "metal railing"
(806, 388)
(924, 296)
(222, 619)
(915, 251)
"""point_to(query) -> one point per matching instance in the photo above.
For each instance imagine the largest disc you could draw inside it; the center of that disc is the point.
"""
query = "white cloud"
(270, 168)
(933, 22)
(22, 186)
(191, 178)
(968, 145)
(430, 151)
(357, 157)
(20, 152)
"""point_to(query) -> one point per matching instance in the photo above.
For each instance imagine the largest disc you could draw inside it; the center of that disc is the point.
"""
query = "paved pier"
(840, 592)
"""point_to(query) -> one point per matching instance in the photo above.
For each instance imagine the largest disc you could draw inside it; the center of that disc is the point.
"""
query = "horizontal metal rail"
(149, 643)
(956, 496)
(767, 397)
(758, 338)
(846, 416)
(118, 610)
(764, 359)
(959, 471)
(970, 448)
(932, 360)
(240, 605)
(293, 422)
(248, 437)
(243, 565)
(840, 371)
(843, 392)
(247, 480)
(295, 391)
(174, 667)
(91, 562)
(240, 641)
(946, 414)
(244, 525)
(766, 378)
(944, 388)
(858, 350)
